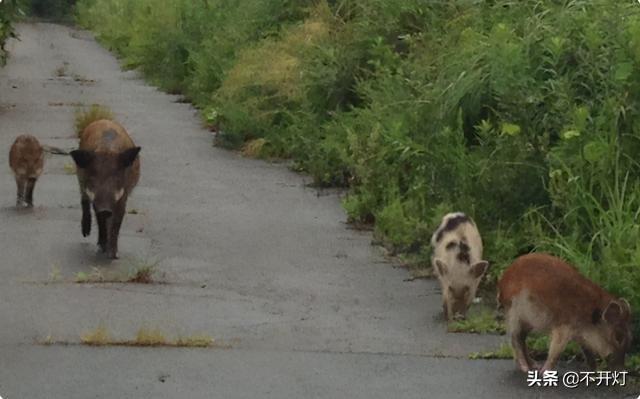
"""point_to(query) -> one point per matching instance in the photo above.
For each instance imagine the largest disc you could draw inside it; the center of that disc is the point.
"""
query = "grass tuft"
(503, 352)
(85, 116)
(253, 148)
(150, 337)
(69, 168)
(95, 276)
(55, 274)
(98, 337)
(142, 273)
(480, 323)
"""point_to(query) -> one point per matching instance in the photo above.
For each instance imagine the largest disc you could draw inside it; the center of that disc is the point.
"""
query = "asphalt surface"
(300, 305)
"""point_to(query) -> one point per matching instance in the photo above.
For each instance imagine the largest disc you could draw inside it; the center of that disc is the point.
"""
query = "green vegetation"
(58, 10)
(8, 11)
(483, 321)
(537, 345)
(504, 351)
(524, 114)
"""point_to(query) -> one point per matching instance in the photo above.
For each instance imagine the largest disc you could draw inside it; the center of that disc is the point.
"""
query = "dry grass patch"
(253, 148)
(145, 337)
(98, 337)
(150, 337)
(86, 116)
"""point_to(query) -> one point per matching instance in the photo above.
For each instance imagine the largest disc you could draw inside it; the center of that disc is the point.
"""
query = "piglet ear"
(82, 158)
(127, 157)
(441, 267)
(613, 313)
(478, 269)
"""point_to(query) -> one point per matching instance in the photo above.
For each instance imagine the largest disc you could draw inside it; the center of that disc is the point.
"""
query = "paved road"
(246, 253)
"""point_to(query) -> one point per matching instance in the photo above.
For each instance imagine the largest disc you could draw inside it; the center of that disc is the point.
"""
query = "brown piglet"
(542, 293)
(26, 159)
(108, 169)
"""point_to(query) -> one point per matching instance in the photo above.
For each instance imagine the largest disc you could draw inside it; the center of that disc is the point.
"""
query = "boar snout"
(459, 285)
(104, 214)
(454, 308)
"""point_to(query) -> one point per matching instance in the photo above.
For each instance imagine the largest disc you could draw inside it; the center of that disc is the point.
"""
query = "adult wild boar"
(108, 169)
(457, 262)
(26, 159)
(542, 293)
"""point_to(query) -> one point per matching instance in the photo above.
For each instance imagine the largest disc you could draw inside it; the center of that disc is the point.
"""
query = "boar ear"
(478, 269)
(82, 158)
(127, 157)
(441, 267)
(613, 312)
(625, 305)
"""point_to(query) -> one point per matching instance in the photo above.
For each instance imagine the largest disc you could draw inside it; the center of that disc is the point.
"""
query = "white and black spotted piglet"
(457, 262)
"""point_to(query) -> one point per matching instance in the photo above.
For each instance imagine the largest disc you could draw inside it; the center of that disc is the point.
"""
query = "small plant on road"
(142, 273)
(481, 322)
(150, 337)
(503, 352)
(95, 276)
(98, 337)
(55, 274)
(69, 168)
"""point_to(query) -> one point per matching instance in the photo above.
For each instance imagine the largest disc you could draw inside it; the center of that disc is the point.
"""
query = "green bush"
(53, 9)
(523, 114)
(8, 10)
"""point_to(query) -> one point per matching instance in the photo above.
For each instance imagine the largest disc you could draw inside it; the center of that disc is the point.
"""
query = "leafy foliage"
(52, 9)
(8, 10)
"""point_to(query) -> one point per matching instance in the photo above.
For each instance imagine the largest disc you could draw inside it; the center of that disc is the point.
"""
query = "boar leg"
(31, 183)
(102, 230)
(114, 228)
(589, 357)
(560, 337)
(86, 216)
(20, 183)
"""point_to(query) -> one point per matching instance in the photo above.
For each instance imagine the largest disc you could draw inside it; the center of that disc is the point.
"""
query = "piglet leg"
(560, 337)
